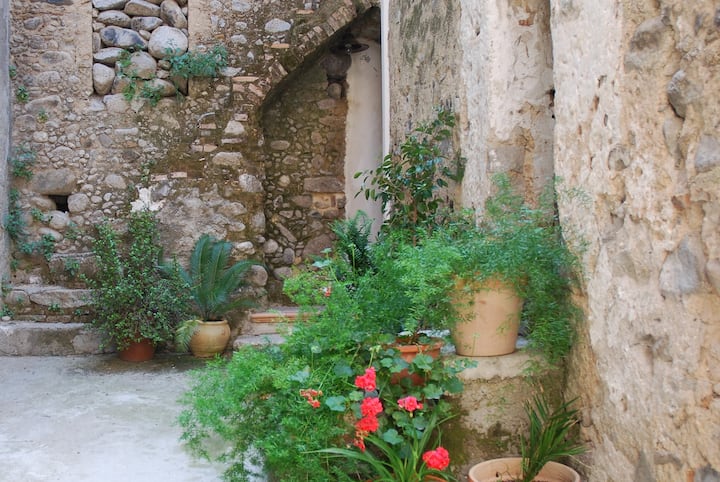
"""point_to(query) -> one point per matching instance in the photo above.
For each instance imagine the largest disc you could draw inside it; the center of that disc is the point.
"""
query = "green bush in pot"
(214, 282)
(133, 299)
(522, 246)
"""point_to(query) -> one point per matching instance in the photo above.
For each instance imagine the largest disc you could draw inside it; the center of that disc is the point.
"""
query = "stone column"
(6, 89)
(637, 111)
(506, 72)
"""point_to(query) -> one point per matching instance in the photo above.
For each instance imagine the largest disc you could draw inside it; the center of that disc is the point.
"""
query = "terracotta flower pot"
(509, 469)
(210, 338)
(138, 351)
(408, 353)
(489, 324)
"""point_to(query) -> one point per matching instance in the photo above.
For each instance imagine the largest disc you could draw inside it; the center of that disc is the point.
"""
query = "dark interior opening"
(61, 201)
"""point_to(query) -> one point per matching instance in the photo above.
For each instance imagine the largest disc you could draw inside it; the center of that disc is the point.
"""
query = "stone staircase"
(263, 327)
(50, 319)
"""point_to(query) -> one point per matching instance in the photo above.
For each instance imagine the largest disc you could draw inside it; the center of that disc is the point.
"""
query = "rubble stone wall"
(201, 161)
(637, 114)
(5, 121)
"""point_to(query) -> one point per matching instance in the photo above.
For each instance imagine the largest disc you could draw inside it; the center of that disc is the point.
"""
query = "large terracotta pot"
(408, 353)
(509, 469)
(138, 351)
(210, 338)
(489, 322)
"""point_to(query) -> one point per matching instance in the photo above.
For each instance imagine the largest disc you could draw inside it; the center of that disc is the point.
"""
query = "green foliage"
(54, 308)
(152, 93)
(409, 183)
(353, 242)
(521, 245)
(21, 162)
(45, 246)
(14, 220)
(198, 64)
(21, 94)
(268, 387)
(12, 71)
(132, 298)
(42, 116)
(72, 266)
(214, 282)
(38, 215)
(550, 437)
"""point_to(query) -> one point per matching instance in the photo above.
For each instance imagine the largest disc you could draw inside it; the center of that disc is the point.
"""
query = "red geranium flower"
(368, 424)
(371, 406)
(367, 381)
(437, 459)
(410, 404)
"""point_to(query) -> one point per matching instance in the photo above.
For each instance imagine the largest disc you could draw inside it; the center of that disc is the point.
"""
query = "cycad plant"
(551, 436)
(213, 281)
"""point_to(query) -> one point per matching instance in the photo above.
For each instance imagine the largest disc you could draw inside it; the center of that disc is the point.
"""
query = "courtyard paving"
(95, 418)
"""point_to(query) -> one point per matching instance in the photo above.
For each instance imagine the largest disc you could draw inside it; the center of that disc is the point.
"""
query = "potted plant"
(550, 440)
(214, 282)
(514, 253)
(136, 305)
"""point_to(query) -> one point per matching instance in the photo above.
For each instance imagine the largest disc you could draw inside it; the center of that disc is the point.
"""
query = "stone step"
(26, 338)
(272, 321)
(48, 303)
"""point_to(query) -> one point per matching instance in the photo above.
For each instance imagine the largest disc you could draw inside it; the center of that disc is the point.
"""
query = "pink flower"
(410, 404)
(371, 406)
(368, 424)
(437, 459)
(367, 381)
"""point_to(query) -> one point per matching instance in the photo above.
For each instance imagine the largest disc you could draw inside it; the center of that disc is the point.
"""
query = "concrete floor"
(95, 418)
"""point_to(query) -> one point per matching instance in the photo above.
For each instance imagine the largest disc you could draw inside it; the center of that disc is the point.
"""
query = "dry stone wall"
(199, 161)
(4, 123)
(637, 114)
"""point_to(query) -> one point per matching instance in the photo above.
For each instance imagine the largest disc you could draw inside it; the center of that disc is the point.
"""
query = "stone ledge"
(19, 338)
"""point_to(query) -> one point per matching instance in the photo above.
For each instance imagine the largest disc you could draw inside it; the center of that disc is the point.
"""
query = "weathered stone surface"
(165, 40)
(122, 37)
(279, 145)
(227, 159)
(323, 184)
(103, 77)
(163, 87)
(172, 15)
(277, 25)
(114, 17)
(681, 93)
(58, 220)
(234, 129)
(257, 276)
(55, 181)
(707, 156)
(48, 339)
(646, 45)
(145, 23)
(250, 183)
(241, 6)
(108, 56)
(109, 4)
(141, 65)
(141, 8)
(78, 203)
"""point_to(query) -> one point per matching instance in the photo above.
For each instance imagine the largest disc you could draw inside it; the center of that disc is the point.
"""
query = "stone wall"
(200, 160)
(637, 113)
(491, 62)
(5, 121)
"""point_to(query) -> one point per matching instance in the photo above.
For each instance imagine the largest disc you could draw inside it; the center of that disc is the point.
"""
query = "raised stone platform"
(25, 338)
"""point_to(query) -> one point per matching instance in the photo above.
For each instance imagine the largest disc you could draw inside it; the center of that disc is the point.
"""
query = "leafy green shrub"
(21, 162)
(409, 184)
(198, 64)
(132, 299)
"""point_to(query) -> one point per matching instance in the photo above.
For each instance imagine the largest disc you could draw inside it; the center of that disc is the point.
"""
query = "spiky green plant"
(214, 283)
(550, 437)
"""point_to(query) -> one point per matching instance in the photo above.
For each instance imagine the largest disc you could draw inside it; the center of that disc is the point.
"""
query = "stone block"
(48, 339)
